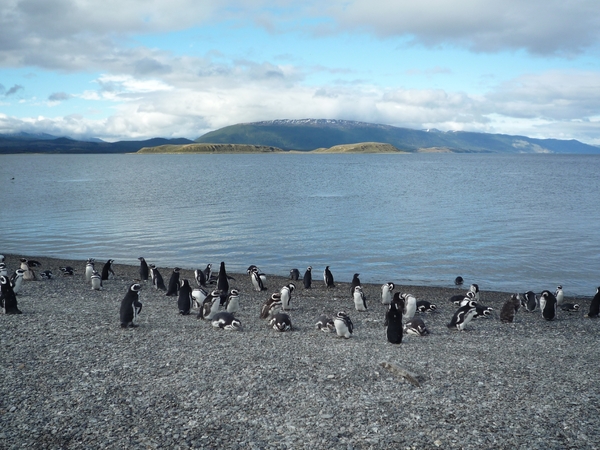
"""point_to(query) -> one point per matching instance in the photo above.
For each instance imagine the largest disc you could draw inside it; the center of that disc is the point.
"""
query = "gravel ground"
(72, 378)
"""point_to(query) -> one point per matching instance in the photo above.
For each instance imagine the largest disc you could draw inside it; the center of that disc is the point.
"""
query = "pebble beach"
(72, 378)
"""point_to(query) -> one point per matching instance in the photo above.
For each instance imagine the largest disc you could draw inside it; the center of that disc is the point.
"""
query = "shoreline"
(74, 379)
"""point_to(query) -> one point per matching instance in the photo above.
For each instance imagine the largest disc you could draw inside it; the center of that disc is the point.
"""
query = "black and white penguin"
(416, 327)
(184, 298)
(208, 273)
(343, 325)
(210, 305)
(131, 306)
(458, 281)
(458, 299)
(474, 288)
(226, 321)
(325, 324)
(509, 309)
(328, 278)
(425, 306)
(33, 263)
(46, 275)
(360, 301)
(463, 316)
(285, 293)
(3, 270)
(16, 280)
(232, 305)
(257, 280)
(107, 270)
(96, 281)
(173, 282)
(570, 307)
(594, 305)
(223, 283)
(482, 311)
(548, 305)
(200, 277)
(410, 307)
(281, 322)
(157, 279)
(307, 279)
(144, 271)
(386, 293)
(393, 320)
(355, 282)
(294, 274)
(89, 268)
(272, 304)
(28, 273)
(560, 295)
(529, 301)
(198, 296)
(67, 270)
(8, 299)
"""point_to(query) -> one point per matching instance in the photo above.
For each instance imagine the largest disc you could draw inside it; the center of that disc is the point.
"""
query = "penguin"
(410, 307)
(67, 270)
(328, 278)
(208, 273)
(270, 306)
(343, 325)
(226, 321)
(16, 280)
(393, 320)
(325, 324)
(281, 322)
(416, 327)
(458, 281)
(2, 259)
(482, 311)
(386, 293)
(232, 305)
(28, 273)
(355, 282)
(223, 283)
(425, 306)
(463, 316)
(285, 293)
(210, 305)
(157, 279)
(559, 294)
(307, 279)
(131, 306)
(173, 283)
(458, 299)
(570, 307)
(360, 301)
(107, 270)
(294, 274)
(184, 298)
(33, 263)
(257, 279)
(528, 301)
(89, 268)
(144, 271)
(8, 299)
(96, 281)
(46, 275)
(548, 305)
(200, 277)
(509, 309)
(474, 288)
(594, 305)
(3, 269)
(198, 296)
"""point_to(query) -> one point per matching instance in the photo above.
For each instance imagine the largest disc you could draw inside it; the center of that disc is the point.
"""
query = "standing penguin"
(386, 293)
(307, 280)
(8, 299)
(270, 306)
(208, 273)
(89, 268)
(294, 274)
(184, 299)
(560, 295)
(96, 281)
(548, 305)
(223, 283)
(509, 309)
(474, 288)
(232, 305)
(360, 301)
(210, 305)
(198, 296)
(26, 266)
(528, 301)
(328, 278)
(173, 282)
(393, 320)
(130, 306)
(107, 270)
(285, 294)
(3, 269)
(594, 305)
(200, 277)
(355, 282)
(343, 325)
(157, 279)
(16, 280)
(410, 307)
(144, 272)
(463, 316)
(257, 279)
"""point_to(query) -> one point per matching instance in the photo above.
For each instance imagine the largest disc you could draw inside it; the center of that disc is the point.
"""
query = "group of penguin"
(219, 305)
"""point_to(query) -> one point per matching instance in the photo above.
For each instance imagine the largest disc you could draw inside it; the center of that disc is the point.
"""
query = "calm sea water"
(506, 222)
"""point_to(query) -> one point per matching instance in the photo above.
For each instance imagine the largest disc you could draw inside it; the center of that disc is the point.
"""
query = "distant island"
(306, 135)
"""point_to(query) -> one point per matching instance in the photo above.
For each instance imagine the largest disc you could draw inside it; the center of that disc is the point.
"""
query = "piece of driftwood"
(400, 372)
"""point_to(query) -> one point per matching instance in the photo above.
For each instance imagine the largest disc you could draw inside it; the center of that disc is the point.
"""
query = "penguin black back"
(393, 322)
(594, 305)
(130, 306)
(307, 278)
(223, 283)
(355, 282)
(328, 278)
(184, 300)
(173, 282)
(107, 270)
(144, 272)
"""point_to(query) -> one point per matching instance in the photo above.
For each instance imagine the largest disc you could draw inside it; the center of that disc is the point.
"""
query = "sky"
(136, 69)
